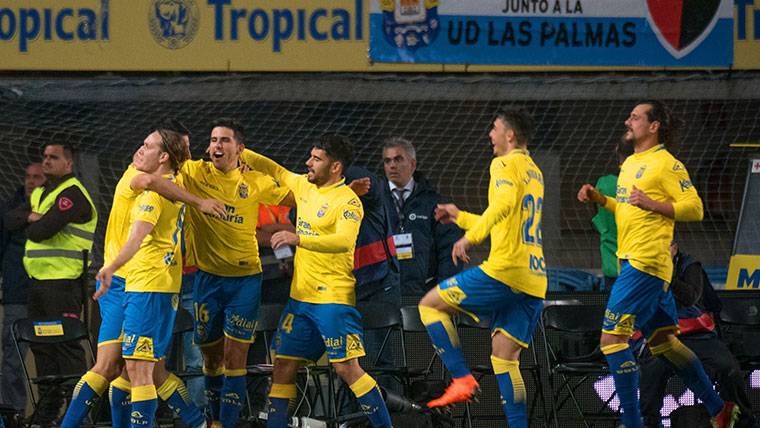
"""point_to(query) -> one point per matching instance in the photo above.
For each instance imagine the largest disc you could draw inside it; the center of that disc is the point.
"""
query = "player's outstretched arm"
(138, 232)
(171, 191)
(269, 167)
(589, 195)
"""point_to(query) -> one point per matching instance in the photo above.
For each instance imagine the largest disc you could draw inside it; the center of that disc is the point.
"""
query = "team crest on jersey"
(173, 23)
(322, 211)
(410, 24)
(641, 171)
(243, 191)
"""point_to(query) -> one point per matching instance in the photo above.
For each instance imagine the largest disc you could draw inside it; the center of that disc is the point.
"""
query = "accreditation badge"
(404, 246)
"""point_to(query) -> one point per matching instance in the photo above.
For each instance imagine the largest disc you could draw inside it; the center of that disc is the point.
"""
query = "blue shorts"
(307, 330)
(510, 312)
(639, 301)
(225, 306)
(111, 312)
(148, 324)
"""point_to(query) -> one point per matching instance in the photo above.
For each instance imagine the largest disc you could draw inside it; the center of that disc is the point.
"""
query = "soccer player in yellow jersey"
(109, 363)
(320, 313)
(153, 278)
(227, 286)
(509, 287)
(653, 192)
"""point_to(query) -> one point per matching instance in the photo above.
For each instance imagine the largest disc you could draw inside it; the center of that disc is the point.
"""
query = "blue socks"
(174, 393)
(512, 390)
(371, 400)
(120, 402)
(89, 388)
(445, 339)
(279, 398)
(232, 396)
(690, 369)
(625, 371)
(144, 405)
(214, 383)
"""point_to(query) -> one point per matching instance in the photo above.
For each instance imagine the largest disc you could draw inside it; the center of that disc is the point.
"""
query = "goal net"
(579, 120)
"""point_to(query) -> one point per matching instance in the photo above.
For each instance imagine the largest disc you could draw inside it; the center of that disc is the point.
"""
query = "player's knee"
(109, 368)
(140, 372)
(348, 370)
(661, 343)
(235, 354)
(213, 357)
(285, 371)
(612, 339)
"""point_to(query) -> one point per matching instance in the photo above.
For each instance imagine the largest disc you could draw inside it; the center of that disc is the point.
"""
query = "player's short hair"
(173, 144)
(68, 149)
(400, 142)
(520, 122)
(172, 124)
(236, 127)
(338, 148)
(670, 124)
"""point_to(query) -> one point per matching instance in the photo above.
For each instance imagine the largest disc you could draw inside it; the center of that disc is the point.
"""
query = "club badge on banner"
(668, 33)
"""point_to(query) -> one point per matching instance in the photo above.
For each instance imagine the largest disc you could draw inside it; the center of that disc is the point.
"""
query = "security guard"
(60, 221)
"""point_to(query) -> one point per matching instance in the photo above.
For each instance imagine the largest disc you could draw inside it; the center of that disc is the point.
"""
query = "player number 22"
(531, 234)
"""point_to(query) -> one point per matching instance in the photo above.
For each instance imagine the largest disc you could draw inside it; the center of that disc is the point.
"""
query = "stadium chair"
(421, 367)
(385, 319)
(571, 346)
(479, 334)
(740, 328)
(48, 332)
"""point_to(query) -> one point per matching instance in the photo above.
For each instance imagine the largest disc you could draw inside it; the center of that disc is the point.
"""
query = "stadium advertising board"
(335, 35)
(672, 33)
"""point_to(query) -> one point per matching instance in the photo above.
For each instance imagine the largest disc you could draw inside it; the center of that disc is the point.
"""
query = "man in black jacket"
(15, 291)
(423, 245)
(59, 222)
(698, 305)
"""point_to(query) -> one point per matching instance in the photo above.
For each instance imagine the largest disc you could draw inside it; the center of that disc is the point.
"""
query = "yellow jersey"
(327, 226)
(227, 246)
(513, 221)
(117, 229)
(157, 265)
(644, 236)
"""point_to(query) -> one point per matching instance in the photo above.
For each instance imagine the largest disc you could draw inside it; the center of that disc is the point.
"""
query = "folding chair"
(478, 334)
(740, 328)
(571, 335)
(420, 361)
(49, 332)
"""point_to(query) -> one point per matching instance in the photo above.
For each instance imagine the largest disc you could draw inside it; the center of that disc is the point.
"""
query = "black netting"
(579, 119)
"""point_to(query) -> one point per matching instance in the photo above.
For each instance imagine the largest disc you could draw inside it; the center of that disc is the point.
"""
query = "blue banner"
(652, 33)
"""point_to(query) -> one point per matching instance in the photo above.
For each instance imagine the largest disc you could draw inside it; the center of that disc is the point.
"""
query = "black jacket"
(15, 280)
(432, 241)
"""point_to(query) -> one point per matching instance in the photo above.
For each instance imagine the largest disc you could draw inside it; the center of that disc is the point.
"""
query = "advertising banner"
(651, 33)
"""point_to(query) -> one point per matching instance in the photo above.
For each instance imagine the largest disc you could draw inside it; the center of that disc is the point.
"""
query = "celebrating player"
(653, 192)
(320, 313)
(508, 288)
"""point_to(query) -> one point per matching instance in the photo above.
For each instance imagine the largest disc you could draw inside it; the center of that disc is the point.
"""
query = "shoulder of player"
(346, 196)
(667, 162)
